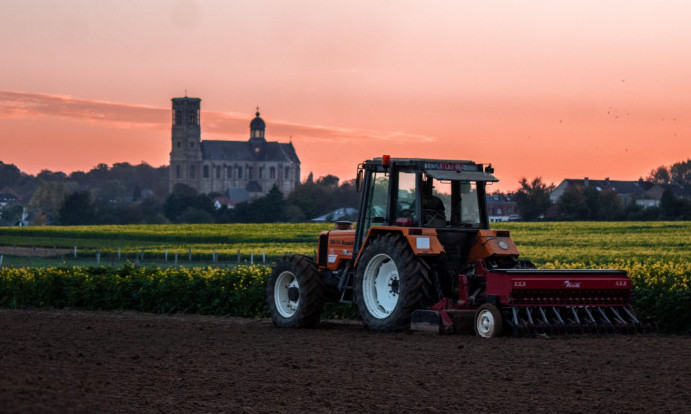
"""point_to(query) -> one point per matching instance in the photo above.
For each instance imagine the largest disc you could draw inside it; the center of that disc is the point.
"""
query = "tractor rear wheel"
(391, 283)
(488, 322)
(294, 293)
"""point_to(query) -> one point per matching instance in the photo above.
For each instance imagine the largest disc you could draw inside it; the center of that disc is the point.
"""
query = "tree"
(10, 215)
(184, 197)
(48, 197)
(609, 206)
(681, 172)
(572, 204)
(77, 209)
(533, 198)
(670, 206)
(659, 175)
(9, 174)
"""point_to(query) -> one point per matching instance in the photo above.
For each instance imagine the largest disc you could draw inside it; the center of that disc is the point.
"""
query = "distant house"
(501, 208)
(223, 202)
(652, 197)
(628, 191)
(7, 198)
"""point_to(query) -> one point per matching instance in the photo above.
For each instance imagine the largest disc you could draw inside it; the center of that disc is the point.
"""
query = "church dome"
(257, 123)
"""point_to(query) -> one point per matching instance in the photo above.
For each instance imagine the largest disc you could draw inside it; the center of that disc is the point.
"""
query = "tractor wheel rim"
(285, 282)
(485, 324)
(381, 285)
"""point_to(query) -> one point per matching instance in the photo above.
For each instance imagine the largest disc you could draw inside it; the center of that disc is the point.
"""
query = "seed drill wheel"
(488, 322)
(391, 283)
(294, 292)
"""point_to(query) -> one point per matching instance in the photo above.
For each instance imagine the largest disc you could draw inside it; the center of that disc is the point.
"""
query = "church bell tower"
(186, 154)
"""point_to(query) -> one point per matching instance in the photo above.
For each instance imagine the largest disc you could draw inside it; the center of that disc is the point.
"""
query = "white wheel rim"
(380, 286)
(284, 305)
(485, 324)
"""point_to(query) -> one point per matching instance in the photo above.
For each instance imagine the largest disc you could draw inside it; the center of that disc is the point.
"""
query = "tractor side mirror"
(358, 180)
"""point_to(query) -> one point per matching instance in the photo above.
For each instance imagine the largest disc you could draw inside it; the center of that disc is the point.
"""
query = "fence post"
(264, 257)
(0, 260)
(98, 255)
(142, 254)
(166, 256)
(75, 252)
(251, 258)
(213, 256)
(118, 253)
(176, 259)
(238, 256)
(189, 255)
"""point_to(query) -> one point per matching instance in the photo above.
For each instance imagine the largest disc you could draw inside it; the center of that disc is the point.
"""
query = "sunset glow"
(552, 89)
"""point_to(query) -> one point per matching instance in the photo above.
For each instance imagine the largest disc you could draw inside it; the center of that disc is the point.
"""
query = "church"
(239, 170)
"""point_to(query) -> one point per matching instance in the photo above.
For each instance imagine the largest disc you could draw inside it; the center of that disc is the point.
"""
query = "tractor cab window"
(436, 203)
(470, 208)
(406, 196)
(449, 203)
(377, 196)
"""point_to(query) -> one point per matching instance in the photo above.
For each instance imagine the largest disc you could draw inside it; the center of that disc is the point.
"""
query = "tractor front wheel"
(391, 283)
(488, 322)
(294, 292)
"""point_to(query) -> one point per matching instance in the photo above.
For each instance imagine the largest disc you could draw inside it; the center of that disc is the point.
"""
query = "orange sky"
(537, 88)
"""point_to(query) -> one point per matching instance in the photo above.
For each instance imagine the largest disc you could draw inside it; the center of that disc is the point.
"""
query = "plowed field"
(74, 361)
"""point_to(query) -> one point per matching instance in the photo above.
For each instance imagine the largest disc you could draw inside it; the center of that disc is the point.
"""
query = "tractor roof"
(440, 169)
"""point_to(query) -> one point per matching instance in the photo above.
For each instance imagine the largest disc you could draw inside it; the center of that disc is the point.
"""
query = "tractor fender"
(422, 241)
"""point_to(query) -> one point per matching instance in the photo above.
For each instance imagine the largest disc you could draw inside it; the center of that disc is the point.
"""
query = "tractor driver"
(433, 214)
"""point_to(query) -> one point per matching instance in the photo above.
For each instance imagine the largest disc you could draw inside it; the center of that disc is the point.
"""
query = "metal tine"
(602, 312)
(530, 316)
(631, 315)
(562, 325)
(515, 315)
(575, 315)
(544, 316)
(590, 315)
(608, 326)
(617, 316)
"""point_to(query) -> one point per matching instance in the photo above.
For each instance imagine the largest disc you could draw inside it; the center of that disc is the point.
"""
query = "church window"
(261, 172)
(206, 171)
(177, 171)
(272, 173)
(287, 173)
(218, 172)
(240, 173)
(192, 171)
(250, 174)
(193, 118)
(229, 171)
(179, 144)
(178, 117)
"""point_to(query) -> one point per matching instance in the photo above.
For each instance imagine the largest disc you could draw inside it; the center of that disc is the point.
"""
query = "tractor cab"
(448, 196)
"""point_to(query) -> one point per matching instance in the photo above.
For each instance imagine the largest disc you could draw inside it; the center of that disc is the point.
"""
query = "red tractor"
(422, 257)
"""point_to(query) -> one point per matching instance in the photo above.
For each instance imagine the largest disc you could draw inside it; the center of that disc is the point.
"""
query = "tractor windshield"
(450, 203)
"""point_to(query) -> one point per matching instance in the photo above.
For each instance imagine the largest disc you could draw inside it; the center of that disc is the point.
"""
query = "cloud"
(31, 105)
(20, 105)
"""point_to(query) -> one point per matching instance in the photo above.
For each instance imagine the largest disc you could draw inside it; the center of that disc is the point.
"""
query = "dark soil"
(73, 361)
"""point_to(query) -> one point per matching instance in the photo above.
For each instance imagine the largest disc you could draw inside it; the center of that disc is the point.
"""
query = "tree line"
(588, 203)
(138, 194)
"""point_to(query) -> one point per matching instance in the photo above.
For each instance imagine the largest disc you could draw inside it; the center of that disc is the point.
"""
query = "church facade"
(240, 170)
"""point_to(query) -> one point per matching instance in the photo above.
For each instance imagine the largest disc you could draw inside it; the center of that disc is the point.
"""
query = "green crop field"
(656, 255)
(565, 242)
